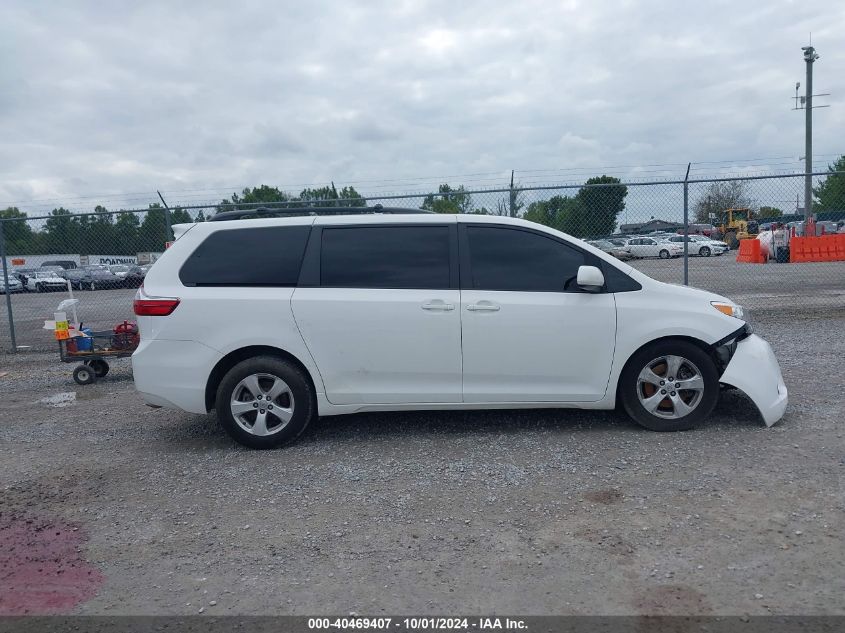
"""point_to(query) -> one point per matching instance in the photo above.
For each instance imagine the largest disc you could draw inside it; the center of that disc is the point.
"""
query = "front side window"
(266, 256)
(514, 259)
(385, 257)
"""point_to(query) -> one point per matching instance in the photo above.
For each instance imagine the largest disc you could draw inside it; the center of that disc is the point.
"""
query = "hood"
(678, 290)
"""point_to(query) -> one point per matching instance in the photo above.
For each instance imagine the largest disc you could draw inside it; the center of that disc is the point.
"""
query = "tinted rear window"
(267, 256)
(385, 257)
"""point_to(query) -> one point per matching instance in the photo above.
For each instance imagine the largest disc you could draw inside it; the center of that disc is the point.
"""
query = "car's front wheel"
(264, 402)
(705, 251)
(669, 386)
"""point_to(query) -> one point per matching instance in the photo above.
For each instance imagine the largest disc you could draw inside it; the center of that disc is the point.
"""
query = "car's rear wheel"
(39, 288)
(265, 402)
(669, 386)
(705, 251)
(664, 254)
(92, 286)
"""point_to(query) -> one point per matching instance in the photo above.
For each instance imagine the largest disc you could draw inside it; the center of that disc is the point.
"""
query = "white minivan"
(276, 320)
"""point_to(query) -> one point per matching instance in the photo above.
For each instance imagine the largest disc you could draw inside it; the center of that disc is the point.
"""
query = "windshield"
(119, 269)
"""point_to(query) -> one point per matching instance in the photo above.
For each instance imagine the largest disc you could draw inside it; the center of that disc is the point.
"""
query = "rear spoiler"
(180, 229)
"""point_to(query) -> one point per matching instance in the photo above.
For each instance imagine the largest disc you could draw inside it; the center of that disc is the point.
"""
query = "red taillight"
(155, 307)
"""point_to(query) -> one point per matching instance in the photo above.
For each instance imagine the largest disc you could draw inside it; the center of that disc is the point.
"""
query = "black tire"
(664, 254)
(705, 251)
(304, 408)
(84, 375)
(100, 367)
(628, 386)
(92, 286)
(39, 288)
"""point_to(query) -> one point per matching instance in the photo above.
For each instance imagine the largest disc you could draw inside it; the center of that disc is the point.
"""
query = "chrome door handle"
(442, 307)
(483, 307)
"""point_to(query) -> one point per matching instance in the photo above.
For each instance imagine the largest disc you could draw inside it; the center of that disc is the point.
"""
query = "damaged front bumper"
(754, 370)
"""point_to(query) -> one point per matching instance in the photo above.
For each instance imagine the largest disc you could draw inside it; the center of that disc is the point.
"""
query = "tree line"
(103, 232)
(591, 211)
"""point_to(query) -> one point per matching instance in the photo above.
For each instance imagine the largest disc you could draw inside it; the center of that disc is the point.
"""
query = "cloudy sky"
(107, 102)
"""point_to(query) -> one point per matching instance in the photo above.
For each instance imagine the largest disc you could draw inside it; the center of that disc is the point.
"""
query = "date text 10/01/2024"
(418, 623)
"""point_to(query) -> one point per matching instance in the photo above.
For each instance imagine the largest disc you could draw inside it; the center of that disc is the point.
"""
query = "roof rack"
(268, 212)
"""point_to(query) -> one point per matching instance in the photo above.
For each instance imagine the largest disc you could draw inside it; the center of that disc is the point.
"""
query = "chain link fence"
(675, 231)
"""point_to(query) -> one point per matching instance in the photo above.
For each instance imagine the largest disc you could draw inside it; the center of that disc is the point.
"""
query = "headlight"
(730, 309)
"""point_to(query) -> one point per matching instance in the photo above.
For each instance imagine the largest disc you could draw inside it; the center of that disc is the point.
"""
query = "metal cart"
(92, 352)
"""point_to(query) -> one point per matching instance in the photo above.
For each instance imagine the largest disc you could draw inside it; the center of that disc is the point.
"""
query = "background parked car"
(119, 270)
(701, 245)
(610, 248)
(135, 276)
(93, 277)
(14, 285)
(650, 247)
(45, 281)
(23, 274)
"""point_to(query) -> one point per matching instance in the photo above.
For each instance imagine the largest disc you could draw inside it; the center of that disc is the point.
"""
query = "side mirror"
(590, 279)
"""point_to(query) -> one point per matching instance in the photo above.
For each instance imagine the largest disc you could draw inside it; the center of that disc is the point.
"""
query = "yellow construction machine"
(735, 224)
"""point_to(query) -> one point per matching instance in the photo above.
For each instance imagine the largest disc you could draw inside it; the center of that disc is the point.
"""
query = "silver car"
(14, 285)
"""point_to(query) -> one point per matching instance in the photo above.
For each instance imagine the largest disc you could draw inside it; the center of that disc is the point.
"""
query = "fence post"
(7, 290)
(511, 199)
(686, 226)
(169, 235)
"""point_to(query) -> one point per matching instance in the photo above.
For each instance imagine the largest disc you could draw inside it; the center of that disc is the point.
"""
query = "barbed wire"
(413, 185)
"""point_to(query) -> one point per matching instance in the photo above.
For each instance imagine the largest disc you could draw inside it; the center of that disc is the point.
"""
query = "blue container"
(84, 344)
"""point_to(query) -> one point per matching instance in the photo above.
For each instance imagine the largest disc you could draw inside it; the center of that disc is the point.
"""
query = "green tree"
(20, 238)
(250, 198)
(830, 193)
(599, 203)
(329, 197)
(769, 212)
(152, 233)
(126, 233)
(99, 234)
(558, 212)
(61, 233)
(200, 217)
(180, 216)
(448, 200)
(719, 196)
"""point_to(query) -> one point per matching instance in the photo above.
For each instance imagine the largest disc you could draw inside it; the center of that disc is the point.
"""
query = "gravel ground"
(109, 507)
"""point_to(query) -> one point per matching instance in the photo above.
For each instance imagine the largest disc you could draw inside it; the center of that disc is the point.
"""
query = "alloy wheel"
(262, 404)
(670, 387)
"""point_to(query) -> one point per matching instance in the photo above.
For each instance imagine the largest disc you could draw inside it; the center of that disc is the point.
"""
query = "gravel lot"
(109, 507)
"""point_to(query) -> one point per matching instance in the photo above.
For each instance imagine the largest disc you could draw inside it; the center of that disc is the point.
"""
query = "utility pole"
(806, 103)
(810, 57)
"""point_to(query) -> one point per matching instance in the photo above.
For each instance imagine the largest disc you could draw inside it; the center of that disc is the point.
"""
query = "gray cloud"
(120, 98)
